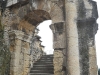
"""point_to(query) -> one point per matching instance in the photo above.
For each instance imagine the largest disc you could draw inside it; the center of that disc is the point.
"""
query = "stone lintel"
(20, 35)
(59, 49)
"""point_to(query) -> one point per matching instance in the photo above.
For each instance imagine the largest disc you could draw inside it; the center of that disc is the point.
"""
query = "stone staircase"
(44, 66)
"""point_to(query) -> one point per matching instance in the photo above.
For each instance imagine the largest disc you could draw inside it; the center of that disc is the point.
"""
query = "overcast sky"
(97, 37)
(47, 39)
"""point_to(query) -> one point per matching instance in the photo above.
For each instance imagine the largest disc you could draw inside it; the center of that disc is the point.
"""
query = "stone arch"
(32, 20)
(54, 8)
(22, 28)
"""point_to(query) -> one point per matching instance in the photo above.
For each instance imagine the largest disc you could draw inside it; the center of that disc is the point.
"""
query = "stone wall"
(74, 27)
(4, 53)
(36, 49)
(23, 52)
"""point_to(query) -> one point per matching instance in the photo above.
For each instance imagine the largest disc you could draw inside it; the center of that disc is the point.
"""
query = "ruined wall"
(36, 49)
(74, 27)
(27, 23)
(19, 42)
(82, 27)
(23, 53)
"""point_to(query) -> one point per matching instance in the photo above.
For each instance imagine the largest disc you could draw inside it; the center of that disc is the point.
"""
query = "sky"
(97, 36)
(47, 38)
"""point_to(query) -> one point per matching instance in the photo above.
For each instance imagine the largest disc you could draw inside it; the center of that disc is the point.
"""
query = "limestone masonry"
(73, 26)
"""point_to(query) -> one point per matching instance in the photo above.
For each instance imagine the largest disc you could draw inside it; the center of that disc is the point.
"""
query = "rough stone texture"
(74, 27)
(58, 30)
(87, 38)
(4, 53)
(22, 52)
(87, 28)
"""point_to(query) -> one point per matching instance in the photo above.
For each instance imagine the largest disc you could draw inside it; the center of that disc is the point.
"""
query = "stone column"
(73, 67)
(15, 49)
(20, 52)
(93, 69)
(59, 45)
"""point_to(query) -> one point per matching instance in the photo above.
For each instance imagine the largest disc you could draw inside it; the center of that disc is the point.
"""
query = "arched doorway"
(22, 34)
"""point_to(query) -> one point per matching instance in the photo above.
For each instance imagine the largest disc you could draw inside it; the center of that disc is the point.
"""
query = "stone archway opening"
(46, 36)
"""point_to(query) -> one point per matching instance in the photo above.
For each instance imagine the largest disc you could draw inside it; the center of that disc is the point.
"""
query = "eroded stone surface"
(74, 26)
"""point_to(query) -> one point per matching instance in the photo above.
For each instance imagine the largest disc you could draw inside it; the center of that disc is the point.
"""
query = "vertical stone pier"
(20, 52)
(86, 31)
(59, 47)
(15, 49)
(87, 28)
(73, 67)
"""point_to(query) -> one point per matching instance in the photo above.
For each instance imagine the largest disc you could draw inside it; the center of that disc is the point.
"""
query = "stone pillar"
(20, 52)
(15, 49)
(86, 31)
(59, 45)
(26, 58)
(73, 67)
(93, 69)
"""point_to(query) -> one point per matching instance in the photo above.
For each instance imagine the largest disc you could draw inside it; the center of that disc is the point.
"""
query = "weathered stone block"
(58, 54)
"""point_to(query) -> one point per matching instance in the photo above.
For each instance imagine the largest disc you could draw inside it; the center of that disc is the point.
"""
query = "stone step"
(41, 74)
(49, 65)
(41, 63)
(41, 71)
(46, 59)
(43, 68)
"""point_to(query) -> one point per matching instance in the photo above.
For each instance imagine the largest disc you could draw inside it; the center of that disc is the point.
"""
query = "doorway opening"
(46, 36)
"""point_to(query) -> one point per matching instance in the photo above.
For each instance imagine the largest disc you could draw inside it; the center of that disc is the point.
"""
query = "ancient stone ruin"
(73, 25)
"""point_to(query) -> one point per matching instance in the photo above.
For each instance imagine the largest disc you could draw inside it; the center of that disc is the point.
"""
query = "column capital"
(57, 27)
(20, 35)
